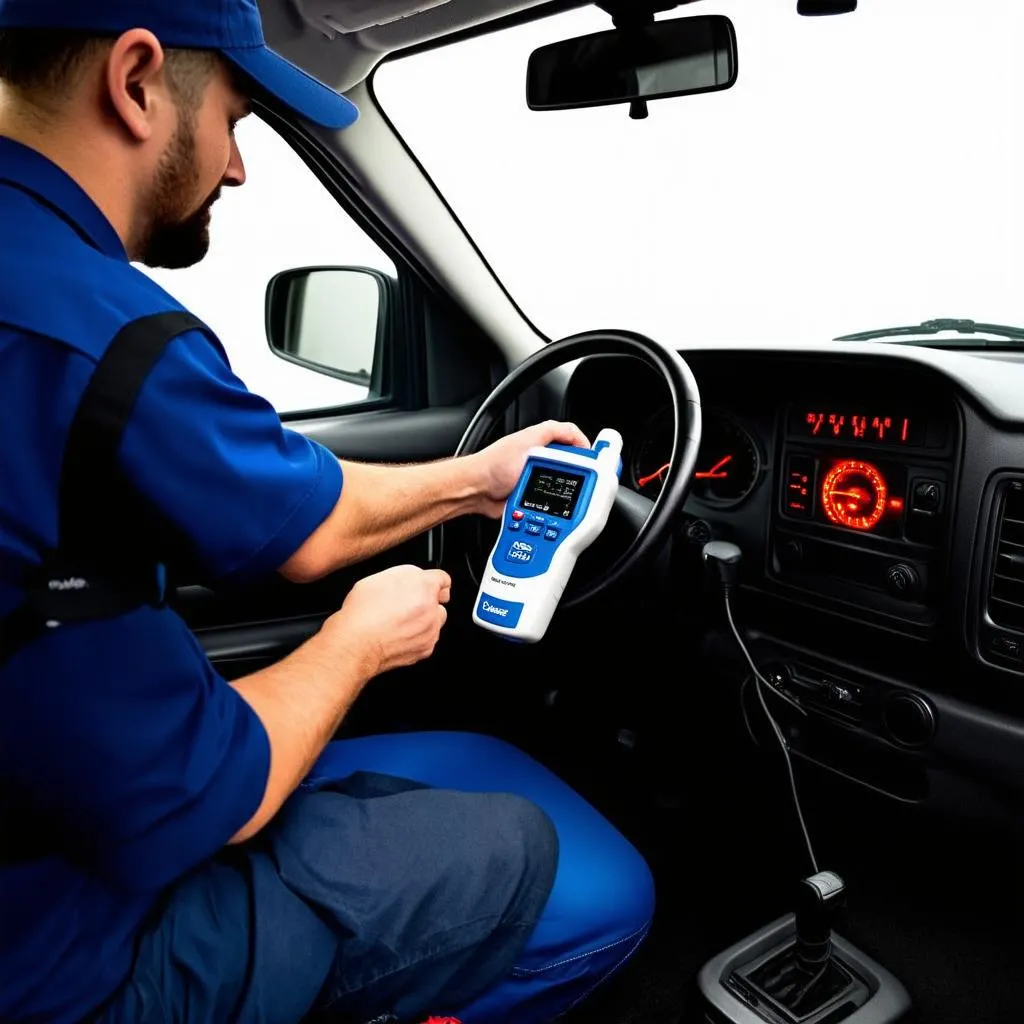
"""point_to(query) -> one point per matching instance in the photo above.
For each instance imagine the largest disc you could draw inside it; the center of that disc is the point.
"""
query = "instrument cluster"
(730, 464)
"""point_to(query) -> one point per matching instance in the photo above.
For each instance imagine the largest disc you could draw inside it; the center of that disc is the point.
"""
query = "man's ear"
(135, 82)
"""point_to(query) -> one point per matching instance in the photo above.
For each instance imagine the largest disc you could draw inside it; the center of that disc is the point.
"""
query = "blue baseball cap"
(232, 27)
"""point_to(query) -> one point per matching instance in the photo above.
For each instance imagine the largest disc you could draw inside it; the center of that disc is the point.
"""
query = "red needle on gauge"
(645, 480)
(715, 472)
(859, 496)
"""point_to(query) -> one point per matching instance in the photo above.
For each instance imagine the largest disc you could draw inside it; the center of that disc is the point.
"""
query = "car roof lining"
(297, 29)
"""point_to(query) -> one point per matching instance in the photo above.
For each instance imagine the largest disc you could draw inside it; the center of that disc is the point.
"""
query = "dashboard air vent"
(1006, 590)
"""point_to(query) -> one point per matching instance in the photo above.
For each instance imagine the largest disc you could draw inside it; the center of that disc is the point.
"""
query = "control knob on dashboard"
(790, 553)
(909, 719)
(903, 580)
(698, 532)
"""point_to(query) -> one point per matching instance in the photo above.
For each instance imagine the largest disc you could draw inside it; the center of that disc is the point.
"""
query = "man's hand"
(387, 620)
(393, 618)
(502, 462)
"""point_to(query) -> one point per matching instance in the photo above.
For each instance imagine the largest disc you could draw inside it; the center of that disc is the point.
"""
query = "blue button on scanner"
(515, 525)
(519, 551)
(551, 534)
(533, 528)
(498, 612)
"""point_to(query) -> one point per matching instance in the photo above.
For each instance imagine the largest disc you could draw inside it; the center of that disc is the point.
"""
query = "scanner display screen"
(552, 491)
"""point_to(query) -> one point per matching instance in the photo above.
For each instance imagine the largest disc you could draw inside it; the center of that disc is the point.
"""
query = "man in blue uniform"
(173, 846)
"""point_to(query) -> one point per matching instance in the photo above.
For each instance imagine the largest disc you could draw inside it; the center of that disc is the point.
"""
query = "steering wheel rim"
(686, 411)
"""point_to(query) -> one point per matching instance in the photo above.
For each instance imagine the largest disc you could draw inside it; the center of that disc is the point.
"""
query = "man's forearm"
(301, 701)
(381, 506)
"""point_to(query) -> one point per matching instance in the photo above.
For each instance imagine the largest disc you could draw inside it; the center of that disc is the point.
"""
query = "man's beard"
(177, 238)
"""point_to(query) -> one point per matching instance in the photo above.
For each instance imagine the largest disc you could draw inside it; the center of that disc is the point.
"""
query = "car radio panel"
(863, 492)
(901, 499)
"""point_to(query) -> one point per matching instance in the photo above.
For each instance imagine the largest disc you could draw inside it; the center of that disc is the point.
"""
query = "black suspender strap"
(103, 564)
(91, 453)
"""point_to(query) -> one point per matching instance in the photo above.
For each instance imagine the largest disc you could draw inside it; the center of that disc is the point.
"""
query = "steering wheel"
(656, 526)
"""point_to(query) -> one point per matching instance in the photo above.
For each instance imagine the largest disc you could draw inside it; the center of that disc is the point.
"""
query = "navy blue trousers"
(413, 874)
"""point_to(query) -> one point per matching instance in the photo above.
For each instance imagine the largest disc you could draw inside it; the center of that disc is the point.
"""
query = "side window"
(283, 219)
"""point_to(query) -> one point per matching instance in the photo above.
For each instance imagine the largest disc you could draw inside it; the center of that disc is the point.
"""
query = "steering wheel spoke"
(632, 508)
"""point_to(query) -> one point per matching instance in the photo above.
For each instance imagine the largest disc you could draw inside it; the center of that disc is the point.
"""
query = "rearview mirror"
(678, 57)
(330, 319)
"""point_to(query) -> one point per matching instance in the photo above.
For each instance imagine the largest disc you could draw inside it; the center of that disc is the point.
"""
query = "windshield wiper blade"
(1007, 336)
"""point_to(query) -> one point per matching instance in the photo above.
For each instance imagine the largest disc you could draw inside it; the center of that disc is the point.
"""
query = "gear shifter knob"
(818, 899)
(725, 557)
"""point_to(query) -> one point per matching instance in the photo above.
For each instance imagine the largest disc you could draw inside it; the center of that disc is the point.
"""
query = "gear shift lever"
(818, 899)
(804, 978)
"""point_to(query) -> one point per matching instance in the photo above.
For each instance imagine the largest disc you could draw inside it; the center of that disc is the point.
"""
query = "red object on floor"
(442, 1020)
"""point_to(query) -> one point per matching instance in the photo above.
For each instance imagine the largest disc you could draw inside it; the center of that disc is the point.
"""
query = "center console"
(748, 983)
(863, 500)
(795, 970)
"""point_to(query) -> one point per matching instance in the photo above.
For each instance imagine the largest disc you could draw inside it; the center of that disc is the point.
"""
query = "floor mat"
(712, 888)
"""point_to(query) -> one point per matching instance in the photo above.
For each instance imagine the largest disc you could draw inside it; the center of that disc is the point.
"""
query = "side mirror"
(331, 319)
(678, 57)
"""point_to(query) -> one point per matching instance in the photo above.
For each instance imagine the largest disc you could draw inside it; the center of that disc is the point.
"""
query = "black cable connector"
(726, 559)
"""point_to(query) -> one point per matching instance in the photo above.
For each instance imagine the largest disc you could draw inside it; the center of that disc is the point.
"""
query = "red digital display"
(832, 424)
(855, 494)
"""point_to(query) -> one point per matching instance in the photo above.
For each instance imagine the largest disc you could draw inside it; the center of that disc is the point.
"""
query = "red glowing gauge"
(854, 494)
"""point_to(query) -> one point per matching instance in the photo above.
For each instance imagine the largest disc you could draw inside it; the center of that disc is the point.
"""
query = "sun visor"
(347, 16)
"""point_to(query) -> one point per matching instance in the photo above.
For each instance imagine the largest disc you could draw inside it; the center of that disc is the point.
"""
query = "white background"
(863, 172)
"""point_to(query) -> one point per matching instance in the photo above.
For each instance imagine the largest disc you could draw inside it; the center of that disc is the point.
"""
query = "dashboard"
(879, 505)
(839, 478)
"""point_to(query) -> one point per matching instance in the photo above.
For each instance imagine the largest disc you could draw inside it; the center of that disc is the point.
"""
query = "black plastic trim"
(979, 619)
(392, 435)
(261, 640)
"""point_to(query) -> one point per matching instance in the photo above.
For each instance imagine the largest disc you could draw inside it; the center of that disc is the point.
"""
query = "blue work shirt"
(119, 733)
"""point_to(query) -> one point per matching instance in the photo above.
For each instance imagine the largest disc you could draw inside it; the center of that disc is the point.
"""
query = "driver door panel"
(245, 629)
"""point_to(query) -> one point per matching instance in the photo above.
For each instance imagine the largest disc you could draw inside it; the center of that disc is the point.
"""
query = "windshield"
(863, 172)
